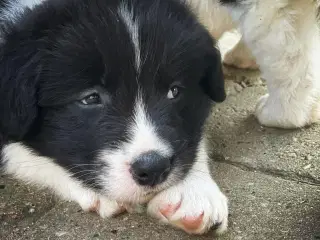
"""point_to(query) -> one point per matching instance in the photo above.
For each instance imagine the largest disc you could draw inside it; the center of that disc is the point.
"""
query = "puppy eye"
(173, 92)
(91, 99)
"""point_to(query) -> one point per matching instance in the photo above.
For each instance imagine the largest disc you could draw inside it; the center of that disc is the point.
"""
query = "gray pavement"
(271, 176)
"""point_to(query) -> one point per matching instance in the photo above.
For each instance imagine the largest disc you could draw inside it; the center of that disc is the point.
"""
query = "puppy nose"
(150, 169)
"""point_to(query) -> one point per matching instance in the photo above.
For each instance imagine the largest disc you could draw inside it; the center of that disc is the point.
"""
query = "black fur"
(62, 50)
(230, 1)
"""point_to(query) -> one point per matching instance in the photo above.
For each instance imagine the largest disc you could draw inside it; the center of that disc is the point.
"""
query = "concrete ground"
(272, 178)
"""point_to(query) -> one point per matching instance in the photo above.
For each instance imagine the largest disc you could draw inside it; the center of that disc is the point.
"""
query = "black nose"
(150, 169)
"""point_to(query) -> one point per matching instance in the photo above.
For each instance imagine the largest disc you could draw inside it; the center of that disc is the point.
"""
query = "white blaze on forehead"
(132, 25)
(144, 132)
(13, 9)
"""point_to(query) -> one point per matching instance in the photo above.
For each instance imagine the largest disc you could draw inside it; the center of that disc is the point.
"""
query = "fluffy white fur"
(284, 38)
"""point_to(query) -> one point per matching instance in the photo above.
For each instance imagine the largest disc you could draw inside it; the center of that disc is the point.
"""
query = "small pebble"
(294, 155)
(308, 157)
(307, 167)
(96, 235)
(238, 87)
(32, 210)
(60, 234)
(243, 84)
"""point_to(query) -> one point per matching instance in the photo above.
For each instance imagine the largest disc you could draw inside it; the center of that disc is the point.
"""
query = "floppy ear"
(213, 80)
(18, 80)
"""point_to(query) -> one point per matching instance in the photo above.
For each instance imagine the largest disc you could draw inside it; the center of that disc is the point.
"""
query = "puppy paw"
(271, 112)
(106, 208)
(92, 202)
(195, 208)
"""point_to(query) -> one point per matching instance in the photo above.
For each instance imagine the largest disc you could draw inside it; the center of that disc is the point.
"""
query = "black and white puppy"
(104, 102)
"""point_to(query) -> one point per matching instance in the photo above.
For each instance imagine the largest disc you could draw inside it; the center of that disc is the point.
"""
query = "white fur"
(14, 9)
(25, 165)
(284, 38)
(132, 25)
(143, 138)
(198, 194)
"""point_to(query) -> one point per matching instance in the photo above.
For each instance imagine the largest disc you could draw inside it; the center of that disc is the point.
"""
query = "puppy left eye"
(92, 99)
(173, 92)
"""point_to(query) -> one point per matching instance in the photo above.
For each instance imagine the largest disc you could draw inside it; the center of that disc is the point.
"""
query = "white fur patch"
(16, 7)
(144, 133)
(143, 138)
(25, 165)
(132, 25)
(198, 194)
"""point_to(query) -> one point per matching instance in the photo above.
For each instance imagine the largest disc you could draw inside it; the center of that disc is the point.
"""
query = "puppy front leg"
(24, 165)
(285, 40)
(195, 204)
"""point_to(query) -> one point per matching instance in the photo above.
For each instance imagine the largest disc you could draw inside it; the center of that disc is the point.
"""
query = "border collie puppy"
(281, 37)
(104, 103)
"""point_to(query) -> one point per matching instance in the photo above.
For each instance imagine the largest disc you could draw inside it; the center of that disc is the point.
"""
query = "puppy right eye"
(92, 99)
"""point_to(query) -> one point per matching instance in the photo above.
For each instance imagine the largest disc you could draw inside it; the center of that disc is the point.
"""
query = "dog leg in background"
(217, 20)
(196, 204)
(213, 16)
(41, 171)
(285, 41)
(241, 57)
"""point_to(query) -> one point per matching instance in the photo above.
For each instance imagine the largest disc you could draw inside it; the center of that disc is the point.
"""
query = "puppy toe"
(192, 223)
(170, 209)
(106, 208)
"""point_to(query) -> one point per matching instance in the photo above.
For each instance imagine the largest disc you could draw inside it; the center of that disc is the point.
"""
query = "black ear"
(18, 79)
(213, 80)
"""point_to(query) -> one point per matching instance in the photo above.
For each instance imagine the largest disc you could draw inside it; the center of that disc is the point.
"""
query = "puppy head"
(115, 93)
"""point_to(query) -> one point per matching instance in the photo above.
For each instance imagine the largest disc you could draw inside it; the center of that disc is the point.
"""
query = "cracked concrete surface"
(271, 176)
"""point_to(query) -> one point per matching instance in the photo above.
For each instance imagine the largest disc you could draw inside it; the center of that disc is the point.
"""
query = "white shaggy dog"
(284, 41)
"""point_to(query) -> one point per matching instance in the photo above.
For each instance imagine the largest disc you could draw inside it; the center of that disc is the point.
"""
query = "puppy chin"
(125, 190)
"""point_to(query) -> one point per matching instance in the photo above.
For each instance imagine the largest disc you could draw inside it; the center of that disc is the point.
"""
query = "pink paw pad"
(170, 209)
(95, 207)
(192, 223)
